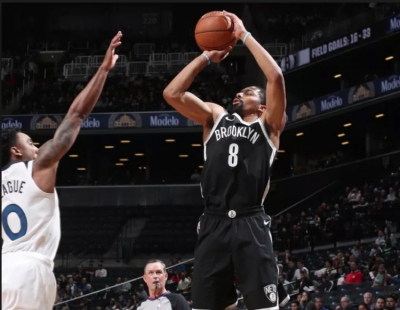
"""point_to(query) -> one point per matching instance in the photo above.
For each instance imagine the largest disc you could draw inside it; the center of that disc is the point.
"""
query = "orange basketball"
(214, 31)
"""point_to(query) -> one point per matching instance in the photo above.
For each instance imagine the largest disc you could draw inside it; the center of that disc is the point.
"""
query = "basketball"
(214, 31)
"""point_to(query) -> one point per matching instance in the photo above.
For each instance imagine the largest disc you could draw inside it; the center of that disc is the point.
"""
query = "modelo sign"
(164, 120)
(394, 24)
(10, 123)
(331, 102)
(390, 84)
(91, 122)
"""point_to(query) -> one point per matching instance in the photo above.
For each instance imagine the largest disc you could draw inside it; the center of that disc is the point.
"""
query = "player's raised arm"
(274, 115)
(53, 150)
(186, 103)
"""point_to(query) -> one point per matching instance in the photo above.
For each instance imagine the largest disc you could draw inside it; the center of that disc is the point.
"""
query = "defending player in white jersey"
(30, 214)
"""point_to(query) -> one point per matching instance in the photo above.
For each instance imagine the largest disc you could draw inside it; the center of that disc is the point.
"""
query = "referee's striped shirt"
(167, 301)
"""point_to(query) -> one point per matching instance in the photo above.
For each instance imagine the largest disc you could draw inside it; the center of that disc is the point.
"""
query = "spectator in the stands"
(339, 261)
(131, 304)
(344, 303)
(354, 196)
(381, 277)
(356, 251)
(360, 209)
(326, 285)
(362, 306)
(72, 285)
(368, 301)
(291, 269)
(141, 294)
(380, 241)
(183, 283)
(395, 277)
(83, 285)
(375, 249)
(294, 305)
(305, 300)
(286, 284)
(180, 267)
(351, 259)
(101, 272)
(67, 295)
(340, 276)
(327, 270)
(375, 262)
(388, 236)
(125, 288)
(355, 276)
(319, 304)
(89, 298)
(391, 302)
(305, 284)
(80, 274)
(300, 267)
(122, 301)
(118, 288)
(391, 196)
(176, 277)
(380, 303)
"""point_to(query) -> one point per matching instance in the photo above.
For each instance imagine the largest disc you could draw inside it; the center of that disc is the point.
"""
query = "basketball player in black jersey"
(239, 149)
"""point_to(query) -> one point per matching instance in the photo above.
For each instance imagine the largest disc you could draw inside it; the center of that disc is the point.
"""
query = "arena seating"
(90, 229)
(169, 230)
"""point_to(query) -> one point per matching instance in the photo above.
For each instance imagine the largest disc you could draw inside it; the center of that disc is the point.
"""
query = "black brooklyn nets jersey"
(237, 161)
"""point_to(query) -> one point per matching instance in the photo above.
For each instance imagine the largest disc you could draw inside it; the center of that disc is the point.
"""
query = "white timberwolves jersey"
(30, 217)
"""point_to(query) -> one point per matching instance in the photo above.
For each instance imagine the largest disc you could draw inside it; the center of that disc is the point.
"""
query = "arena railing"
(84, 60)
(276, 49)
(143, 49)
(158, 63)
(188, 57)
(137, 67)
(76, 70)
(175, 59)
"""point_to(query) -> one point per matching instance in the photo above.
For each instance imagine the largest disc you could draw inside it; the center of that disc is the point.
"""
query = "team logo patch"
(270, 292)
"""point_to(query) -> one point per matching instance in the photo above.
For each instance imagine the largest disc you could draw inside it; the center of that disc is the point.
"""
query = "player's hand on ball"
(218, 56)
(111, 58)
(240, 30)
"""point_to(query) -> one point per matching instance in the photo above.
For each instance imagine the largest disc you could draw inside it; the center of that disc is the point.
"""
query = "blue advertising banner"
(132, 120)
(387, 84)
(98, 121)
(331, 102)
(343, 98)
(166, 120)
(392, 23)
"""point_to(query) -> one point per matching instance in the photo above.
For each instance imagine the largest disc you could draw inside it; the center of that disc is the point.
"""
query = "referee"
(155, 276)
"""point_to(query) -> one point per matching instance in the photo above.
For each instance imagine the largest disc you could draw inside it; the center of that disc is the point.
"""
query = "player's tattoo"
(54, 149)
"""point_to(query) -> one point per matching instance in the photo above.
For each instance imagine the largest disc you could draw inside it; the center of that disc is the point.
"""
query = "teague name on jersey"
(244, 132)
(14, 186)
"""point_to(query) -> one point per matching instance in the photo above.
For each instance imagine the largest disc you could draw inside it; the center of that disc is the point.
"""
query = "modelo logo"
(163, 120)
(390, 83)
(394, 23)
(331, 102)
(90, 122)
(10, 123)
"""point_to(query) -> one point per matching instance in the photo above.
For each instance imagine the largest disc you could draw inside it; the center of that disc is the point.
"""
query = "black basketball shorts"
(241, 244)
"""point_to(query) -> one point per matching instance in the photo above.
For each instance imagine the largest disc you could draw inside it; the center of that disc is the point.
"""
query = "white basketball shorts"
(27, 282)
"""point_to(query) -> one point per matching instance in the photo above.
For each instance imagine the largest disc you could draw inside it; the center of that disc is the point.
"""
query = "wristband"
(208, 58)
(245, 37)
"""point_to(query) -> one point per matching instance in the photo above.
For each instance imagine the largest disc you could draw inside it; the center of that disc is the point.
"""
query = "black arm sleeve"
(178, 302)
